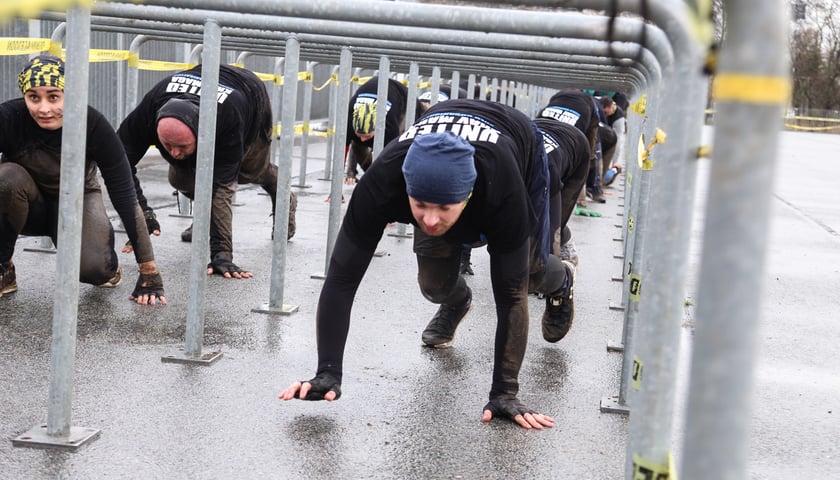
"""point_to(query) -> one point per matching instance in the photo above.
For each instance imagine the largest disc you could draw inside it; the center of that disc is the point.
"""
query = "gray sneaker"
(114, 281)
(440, 332)
(568, 251)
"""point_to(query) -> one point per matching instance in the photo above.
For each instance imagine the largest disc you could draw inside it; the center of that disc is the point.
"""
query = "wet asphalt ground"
(406, 412)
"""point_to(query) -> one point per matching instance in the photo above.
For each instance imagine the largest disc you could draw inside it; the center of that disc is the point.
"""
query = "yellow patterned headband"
(42, 71)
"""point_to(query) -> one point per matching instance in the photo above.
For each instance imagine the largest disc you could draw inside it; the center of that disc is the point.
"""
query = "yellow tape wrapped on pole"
(745, 88)
(23, 46)
(31, 8)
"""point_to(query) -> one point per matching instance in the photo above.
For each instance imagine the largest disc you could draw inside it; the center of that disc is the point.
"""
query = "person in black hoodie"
(30, 143)
(167, 117)
(467, 171)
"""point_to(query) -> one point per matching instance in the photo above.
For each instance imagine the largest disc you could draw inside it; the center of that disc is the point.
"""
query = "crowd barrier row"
(658, 58)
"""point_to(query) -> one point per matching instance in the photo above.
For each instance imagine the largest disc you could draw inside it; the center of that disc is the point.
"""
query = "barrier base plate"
(282, 310)
(611, 405)
(206, 359)
(37, 437)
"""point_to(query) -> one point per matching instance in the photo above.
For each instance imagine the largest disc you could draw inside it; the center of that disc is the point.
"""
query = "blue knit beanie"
(439, 168)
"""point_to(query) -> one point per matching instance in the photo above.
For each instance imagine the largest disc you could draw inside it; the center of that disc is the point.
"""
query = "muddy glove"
(151, 221)
(321, 385)
(151, 285)
(222, 263)
(507, 405)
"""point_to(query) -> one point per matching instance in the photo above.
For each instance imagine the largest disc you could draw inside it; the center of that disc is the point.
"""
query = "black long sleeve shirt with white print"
(500, 209)
(241, 117)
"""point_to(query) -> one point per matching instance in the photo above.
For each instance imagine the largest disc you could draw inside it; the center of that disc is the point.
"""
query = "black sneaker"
(560, 310)
(466, 266)
(186, 235)
(8, 280)
(440, 332)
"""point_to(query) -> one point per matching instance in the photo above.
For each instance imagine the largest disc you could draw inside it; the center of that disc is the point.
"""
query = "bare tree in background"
(815, 54)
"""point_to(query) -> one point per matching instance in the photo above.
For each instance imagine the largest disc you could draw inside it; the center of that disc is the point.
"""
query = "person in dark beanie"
(167, 117)
(30, 170)
(467, 171)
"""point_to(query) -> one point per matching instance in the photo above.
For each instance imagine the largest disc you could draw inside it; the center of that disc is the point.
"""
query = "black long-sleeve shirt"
(500, 208)
(20, 136)
(576, 108)
(243, 115)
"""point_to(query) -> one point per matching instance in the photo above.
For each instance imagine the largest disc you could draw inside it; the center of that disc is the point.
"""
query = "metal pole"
(66, 299)
(284, 173)
(276, 100)
(333, 107)
(337, 185)
(410, 114)
(435, 88)
(211, 59)
(456, 83)
(304, 139)
(381, 105)
(752, 85)
(471, 86)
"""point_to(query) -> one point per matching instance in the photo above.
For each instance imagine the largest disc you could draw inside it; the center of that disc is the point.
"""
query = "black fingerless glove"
(222, 263)
(151, 284)
(151, 221)
(507, 405)
(322, 384)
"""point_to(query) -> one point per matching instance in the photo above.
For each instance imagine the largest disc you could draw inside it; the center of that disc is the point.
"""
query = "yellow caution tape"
(640, 107)
(631, 224)
(305, 76)
(299, 127)
(23, 46)
(744, 88)
(99, 55)
(333, 78)
(645, 160)
(156, 65)
(636, 379)
(31, 8)
(811, 129)
(704, 151)
(644, 469)
(266, 77)
(635, 286)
